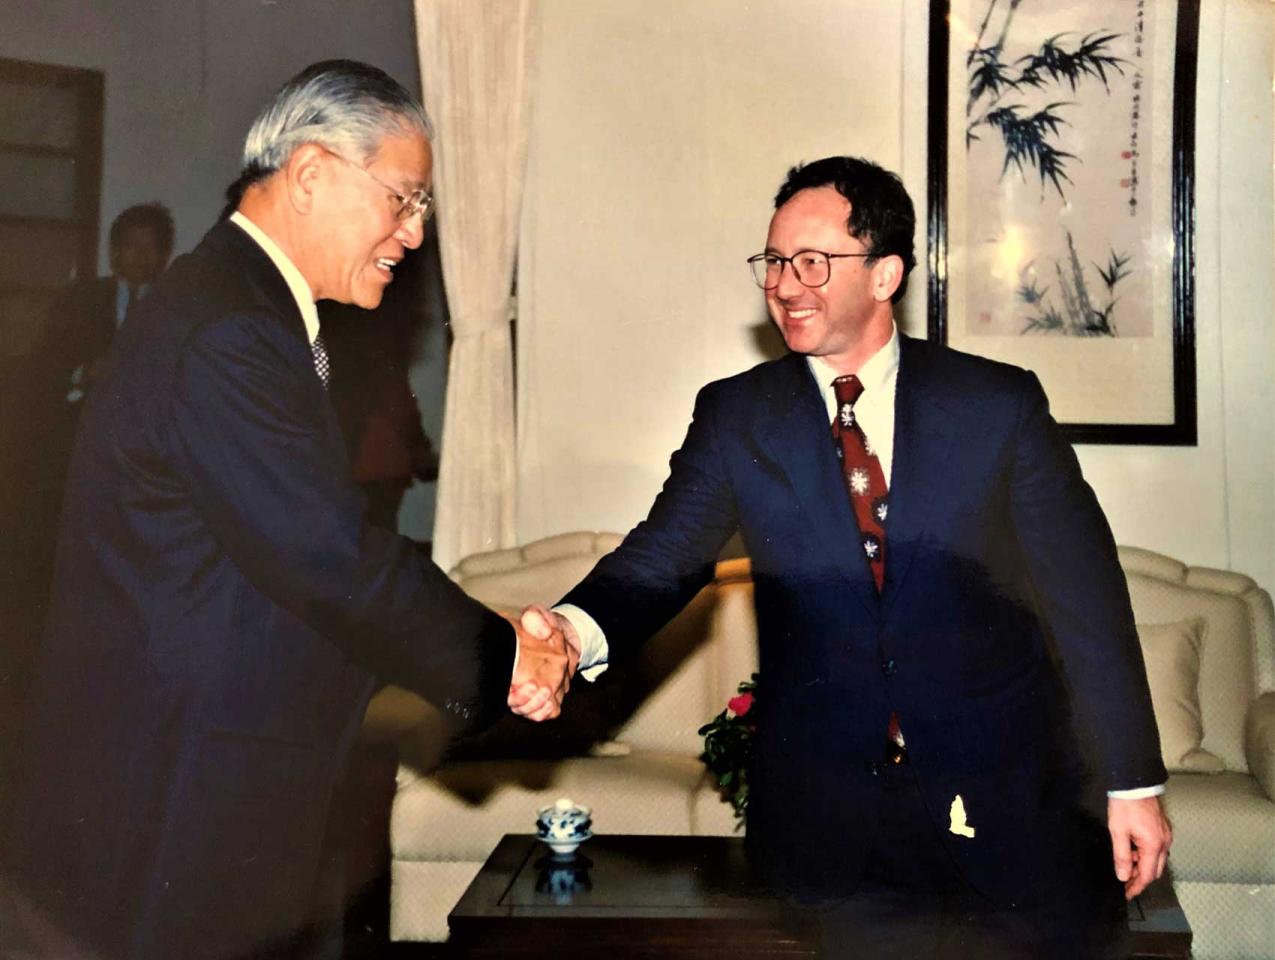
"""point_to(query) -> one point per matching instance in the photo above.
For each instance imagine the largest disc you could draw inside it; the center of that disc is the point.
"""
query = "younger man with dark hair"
(937, 594)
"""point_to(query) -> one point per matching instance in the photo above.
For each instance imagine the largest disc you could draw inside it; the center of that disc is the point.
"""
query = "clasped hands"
(548, 654)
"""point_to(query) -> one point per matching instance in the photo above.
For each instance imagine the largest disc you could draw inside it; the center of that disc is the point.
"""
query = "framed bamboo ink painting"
(1061, 207)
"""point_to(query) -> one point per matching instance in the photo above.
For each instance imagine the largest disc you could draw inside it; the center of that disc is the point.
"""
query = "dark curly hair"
(881, 212)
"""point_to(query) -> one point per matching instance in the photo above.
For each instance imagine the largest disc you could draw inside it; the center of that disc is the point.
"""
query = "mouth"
(797, 316)
(385, 266)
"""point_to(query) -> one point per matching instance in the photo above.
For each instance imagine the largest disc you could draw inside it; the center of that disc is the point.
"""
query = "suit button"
(889, 667)
(874, 767)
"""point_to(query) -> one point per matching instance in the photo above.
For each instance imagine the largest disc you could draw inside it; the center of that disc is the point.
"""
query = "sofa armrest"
(1259, 742)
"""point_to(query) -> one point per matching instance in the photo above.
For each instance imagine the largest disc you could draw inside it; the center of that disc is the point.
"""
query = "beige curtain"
(475, 74)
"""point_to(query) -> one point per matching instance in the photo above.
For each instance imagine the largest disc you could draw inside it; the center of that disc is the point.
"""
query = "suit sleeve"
(270, 478)
(668, 557)
(1074, 567)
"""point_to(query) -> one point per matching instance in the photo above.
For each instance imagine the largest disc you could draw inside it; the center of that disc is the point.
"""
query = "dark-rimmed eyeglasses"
(811, 267)
(418, 201)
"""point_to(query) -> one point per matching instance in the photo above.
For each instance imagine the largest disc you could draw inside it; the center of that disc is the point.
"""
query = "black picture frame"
(1183, 430)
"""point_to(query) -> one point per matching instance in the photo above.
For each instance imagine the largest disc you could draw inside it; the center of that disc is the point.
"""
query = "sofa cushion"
(1229, 921)
(1223, 828)
(1235, 645)
(461, 812)
(711, 816)
(423, 894)
(1172, 655)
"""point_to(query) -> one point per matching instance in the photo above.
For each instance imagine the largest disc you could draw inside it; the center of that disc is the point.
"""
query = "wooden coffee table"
(1157, 924)
(675, 897)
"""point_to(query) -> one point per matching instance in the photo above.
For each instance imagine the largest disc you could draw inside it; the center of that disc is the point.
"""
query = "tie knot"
(848, 389)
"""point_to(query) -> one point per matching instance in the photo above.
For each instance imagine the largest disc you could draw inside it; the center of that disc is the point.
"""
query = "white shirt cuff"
(593, 642)
(1137, 793)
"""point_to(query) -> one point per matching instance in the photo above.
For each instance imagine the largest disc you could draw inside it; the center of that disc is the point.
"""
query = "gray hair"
(347, 106)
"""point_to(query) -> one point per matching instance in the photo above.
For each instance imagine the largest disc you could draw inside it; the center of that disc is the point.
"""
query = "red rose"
(740, 705)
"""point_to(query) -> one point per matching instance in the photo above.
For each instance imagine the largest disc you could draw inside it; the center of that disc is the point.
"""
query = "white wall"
(662, 130)
(1214, 504)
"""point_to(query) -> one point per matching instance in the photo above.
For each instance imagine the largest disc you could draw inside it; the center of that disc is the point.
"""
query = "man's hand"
(548, 653)
(1140, 839)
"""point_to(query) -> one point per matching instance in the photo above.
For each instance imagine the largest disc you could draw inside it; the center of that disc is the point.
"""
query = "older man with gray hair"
(222, 610)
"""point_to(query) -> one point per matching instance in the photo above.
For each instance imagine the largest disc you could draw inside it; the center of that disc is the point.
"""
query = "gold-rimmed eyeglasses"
(419, 200)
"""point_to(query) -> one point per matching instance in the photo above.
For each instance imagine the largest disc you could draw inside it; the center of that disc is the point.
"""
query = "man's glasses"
(418, 201)
(811, 267)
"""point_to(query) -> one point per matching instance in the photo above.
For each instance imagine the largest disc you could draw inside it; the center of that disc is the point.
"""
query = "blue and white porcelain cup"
(564, 826)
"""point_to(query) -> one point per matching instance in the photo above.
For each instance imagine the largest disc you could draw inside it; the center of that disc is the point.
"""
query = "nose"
(411, 232)
(788, 286)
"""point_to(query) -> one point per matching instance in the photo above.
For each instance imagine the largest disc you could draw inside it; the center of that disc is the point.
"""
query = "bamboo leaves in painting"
(1079, 316)
(1000, 91)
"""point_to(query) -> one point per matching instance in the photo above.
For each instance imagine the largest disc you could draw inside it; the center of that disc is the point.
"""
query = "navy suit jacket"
(221, 610)
(1004, 609)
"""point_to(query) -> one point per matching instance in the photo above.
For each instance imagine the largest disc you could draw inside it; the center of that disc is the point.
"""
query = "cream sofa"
(644, 775)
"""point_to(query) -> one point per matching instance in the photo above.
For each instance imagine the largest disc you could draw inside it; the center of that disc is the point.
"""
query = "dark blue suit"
(221, 610)
(999, 567)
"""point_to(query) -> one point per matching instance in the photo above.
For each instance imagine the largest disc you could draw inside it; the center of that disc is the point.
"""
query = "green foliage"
(729, 748)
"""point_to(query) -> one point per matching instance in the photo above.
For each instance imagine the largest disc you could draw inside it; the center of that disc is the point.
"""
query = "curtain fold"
(475, 73)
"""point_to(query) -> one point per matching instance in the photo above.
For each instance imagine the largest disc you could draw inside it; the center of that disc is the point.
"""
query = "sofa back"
(687, 672)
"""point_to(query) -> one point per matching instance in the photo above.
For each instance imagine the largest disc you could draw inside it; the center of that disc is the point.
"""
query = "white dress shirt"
(122, 298)
(874, 410)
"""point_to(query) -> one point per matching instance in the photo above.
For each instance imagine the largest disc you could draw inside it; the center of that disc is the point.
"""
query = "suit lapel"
(798, 434)
(924, 429)
(269, 286)
(267, 282)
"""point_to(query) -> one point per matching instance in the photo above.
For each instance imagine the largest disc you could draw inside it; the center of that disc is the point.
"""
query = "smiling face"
(848, 318)
(361, 239)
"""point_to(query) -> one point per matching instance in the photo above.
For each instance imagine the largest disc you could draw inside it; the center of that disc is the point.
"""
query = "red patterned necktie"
(865, 482)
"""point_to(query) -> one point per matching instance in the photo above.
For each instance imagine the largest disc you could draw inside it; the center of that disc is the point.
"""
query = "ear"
(302, 175)
(887, 274)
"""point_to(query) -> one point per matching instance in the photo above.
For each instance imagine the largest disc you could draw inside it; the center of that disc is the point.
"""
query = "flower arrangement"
(728, 746)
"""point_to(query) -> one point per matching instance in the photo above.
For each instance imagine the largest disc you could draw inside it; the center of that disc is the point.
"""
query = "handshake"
(548, 654)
